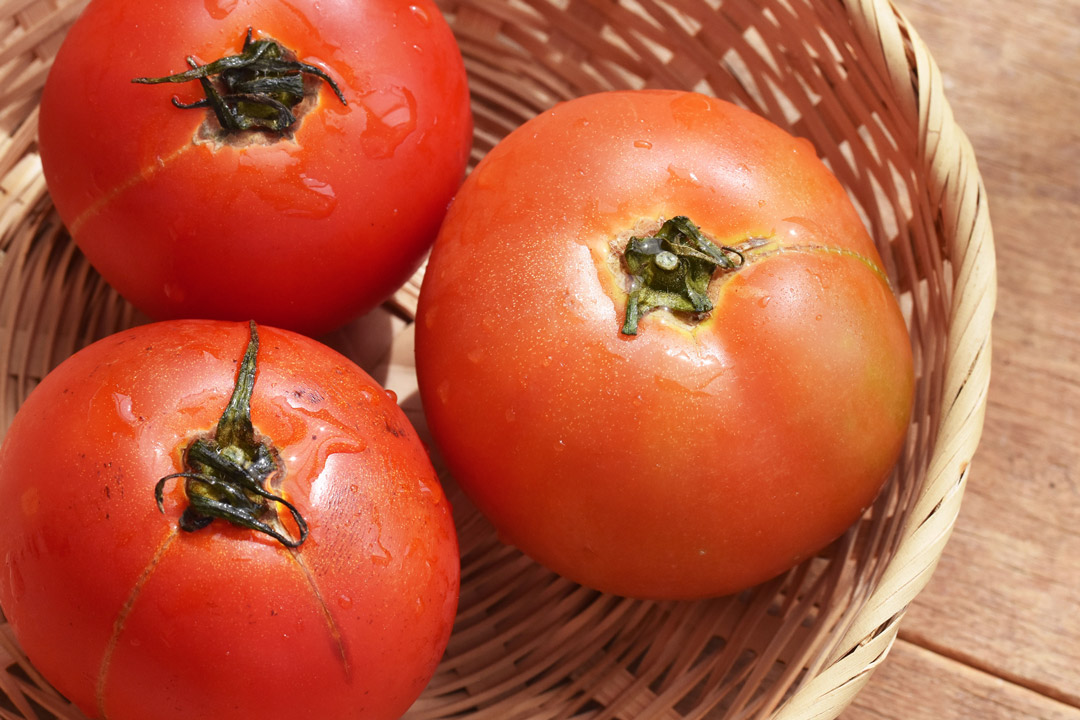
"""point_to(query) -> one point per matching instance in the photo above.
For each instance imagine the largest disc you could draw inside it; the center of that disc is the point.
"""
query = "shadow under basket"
(851, 76)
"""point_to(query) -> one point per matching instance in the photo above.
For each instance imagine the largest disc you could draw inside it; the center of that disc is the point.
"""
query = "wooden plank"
(1005, 596)
(917, 683)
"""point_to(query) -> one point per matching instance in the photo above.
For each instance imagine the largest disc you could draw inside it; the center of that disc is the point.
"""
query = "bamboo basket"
(850, 75)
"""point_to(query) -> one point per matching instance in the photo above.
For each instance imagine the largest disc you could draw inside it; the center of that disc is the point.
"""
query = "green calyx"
(255, 90)
(225, 475)
(672, 269)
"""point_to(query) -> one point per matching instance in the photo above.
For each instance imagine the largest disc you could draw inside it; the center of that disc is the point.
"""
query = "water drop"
(420, 14)
(683, 174)
(382, 557)
(643, 144)
(123, 407)
(391, 396)
(344, 602)
(431, 496)
(391, 117)
(220, 9)
(175, 293)
(764, 300)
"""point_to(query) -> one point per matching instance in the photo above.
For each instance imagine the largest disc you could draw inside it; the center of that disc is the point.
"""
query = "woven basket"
(850, 75)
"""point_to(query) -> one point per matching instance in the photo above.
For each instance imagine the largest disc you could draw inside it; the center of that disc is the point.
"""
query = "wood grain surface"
(996, 634)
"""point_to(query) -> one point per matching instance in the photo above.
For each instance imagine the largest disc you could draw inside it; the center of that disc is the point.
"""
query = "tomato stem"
(673, 269)
(225, 475)
(256, 90)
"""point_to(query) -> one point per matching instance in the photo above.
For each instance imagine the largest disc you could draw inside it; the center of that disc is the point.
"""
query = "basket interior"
(527, 643)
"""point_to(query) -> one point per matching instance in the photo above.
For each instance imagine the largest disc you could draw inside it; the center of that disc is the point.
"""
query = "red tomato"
(130, 617)
(713, 449)
(303, 228)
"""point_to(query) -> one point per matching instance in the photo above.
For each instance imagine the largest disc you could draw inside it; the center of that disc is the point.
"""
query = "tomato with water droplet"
(133, 591)
(733, 381)
(225, 208)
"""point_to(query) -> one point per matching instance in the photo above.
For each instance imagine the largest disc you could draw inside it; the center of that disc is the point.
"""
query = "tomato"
(333, 598)
(301, 227)
(661, 453)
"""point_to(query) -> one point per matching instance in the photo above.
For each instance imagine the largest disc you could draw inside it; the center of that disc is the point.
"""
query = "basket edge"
(948, 158)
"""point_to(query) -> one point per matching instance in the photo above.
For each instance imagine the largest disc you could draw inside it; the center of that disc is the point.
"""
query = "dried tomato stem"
(673, 269)
(225, 475)
(256, 90)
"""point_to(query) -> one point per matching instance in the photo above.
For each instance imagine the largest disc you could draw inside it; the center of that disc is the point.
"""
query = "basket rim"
(948, 159)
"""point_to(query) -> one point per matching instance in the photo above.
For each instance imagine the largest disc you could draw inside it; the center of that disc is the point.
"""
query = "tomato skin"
(132, 618)
(689, 460)
(304, 233)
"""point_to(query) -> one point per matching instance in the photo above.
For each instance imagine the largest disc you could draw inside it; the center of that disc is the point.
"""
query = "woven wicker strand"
(850, 75)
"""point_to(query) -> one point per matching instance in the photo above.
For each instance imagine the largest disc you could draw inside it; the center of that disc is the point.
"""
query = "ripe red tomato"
(301, 228)
(713, 449)
(131, 617)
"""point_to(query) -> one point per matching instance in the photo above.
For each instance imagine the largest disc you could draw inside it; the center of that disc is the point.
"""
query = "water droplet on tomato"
(175, 293)
(444, 391)
(643, 144)
(420, 14)
(764, 300)
(391, 118)
(431, 496)
(391, 396)
(381, 556)
(344, 602)
(123, 407)
(220, 9)
(682, 174)
(475, 355)
(318, 186)
(690, 109)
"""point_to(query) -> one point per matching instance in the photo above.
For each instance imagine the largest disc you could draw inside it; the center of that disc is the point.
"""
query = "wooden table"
(996, 634)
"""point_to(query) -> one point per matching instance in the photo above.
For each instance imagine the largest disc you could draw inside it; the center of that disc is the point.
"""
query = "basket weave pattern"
(851, 76)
